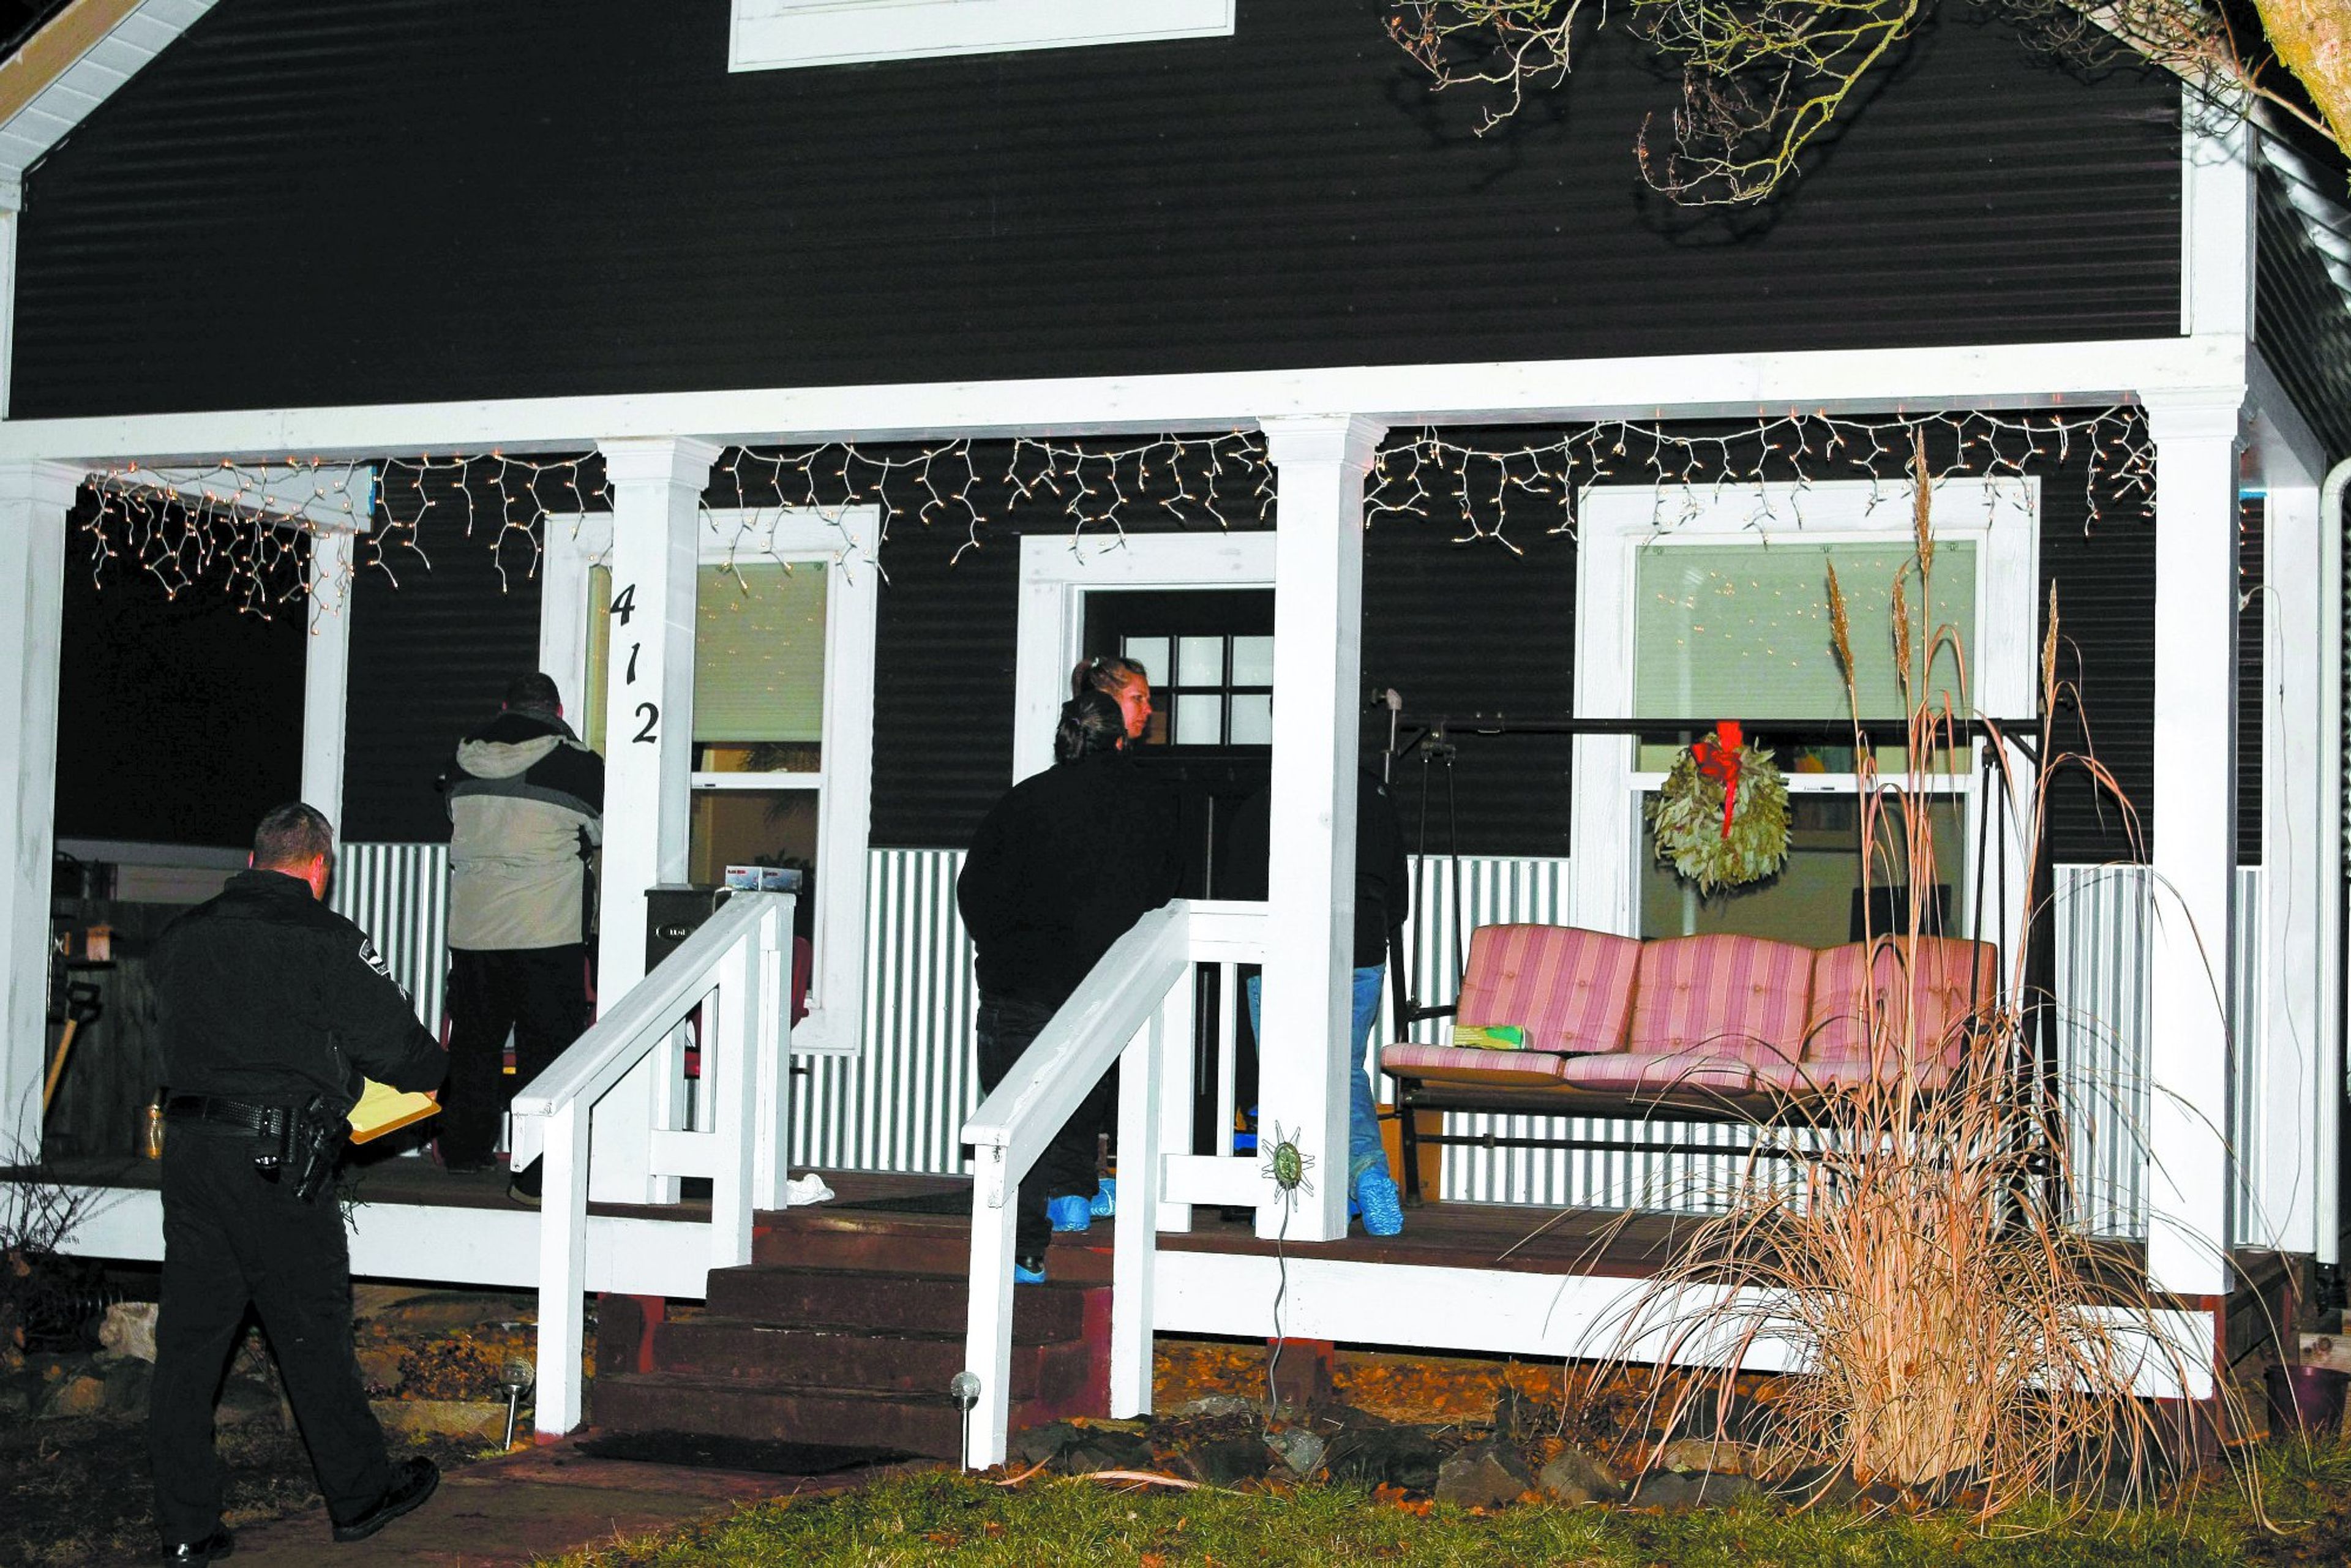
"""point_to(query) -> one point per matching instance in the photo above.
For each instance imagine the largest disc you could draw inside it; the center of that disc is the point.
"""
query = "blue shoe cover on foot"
(1383, 1206)
(1105, 1200)
(1023, 1273)
(1070, 1212)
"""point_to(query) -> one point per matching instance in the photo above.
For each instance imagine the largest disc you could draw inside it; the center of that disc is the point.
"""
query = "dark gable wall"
(373, 200)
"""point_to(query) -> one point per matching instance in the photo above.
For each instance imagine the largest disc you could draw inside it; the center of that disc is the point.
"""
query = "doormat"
(763, 1456)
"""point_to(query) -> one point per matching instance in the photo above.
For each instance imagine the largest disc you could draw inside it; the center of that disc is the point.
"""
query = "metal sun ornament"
(1286, 1166)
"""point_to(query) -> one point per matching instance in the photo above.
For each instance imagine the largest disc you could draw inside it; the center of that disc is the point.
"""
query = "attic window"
(773, 34)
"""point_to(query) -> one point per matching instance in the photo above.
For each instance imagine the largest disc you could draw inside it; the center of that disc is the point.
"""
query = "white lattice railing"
(1132, 1011)
(730, 972)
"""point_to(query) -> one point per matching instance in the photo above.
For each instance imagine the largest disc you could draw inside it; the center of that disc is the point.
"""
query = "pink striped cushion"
(1949, 978)
(1635, 1072)
(1447, 1064)
(1571, 990)
(1726, 996)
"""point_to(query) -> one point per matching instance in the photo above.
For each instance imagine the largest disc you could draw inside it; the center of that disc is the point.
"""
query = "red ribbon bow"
(1718, 757)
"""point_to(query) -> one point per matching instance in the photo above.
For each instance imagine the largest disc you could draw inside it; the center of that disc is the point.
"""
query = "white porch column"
(326, 673)
(2301, 835)
(1317, 675)
(2190, 1040)
(656, 484)
(33, 500)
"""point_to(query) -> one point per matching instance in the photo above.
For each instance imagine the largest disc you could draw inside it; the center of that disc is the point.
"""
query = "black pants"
(232, 1239)
(1005, 1028)
(540, 994)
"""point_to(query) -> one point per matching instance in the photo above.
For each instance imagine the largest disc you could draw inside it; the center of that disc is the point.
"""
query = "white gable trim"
(774, 35)
(146, 31)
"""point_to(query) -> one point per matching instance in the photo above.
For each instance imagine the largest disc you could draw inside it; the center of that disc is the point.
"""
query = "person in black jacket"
(272, 1010)
(1383, 903)
(1060, 869)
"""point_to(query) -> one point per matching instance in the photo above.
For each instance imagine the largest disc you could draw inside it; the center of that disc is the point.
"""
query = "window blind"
(759, 652)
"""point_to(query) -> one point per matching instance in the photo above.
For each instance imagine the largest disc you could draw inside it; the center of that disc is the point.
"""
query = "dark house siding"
(2104, 573)
(430, 659)
(2300, 325)
(401, 199)
(179, 719)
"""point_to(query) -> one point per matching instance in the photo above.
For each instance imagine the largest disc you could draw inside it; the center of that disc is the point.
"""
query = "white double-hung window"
(774, 35)
(1724, 614)
(785, 605)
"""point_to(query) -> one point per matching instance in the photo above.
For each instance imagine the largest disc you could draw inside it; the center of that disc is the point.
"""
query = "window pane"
(1743, 630)
(599, 645)
(1811, 900)
(758, 654)
(749, 827)
(759, 756)
(1200, 720)
(1253, 721)
(1252, 661)
(1199, 662)
(1151, 653)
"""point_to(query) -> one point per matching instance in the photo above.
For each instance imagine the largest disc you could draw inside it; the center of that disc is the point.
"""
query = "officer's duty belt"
(218, 1114)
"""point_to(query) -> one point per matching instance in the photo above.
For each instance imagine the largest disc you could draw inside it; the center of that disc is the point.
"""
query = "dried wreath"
(1721, 818)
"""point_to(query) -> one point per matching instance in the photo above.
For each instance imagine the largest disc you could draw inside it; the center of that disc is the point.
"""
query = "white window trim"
(847, 540)
(774, 34)
(2001, 517)
(1057, 572)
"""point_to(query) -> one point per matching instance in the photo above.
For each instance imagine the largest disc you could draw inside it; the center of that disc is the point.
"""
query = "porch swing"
(1714, 1028)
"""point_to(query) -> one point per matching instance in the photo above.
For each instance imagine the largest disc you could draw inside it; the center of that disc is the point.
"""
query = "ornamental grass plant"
(1903, 1244)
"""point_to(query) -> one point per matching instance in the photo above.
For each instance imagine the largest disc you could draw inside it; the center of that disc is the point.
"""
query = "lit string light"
(245, 523)
(1772, 462)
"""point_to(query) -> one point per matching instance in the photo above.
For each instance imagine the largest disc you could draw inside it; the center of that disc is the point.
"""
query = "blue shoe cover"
(1023, 1274)
(1070, 1212)
(1383, 1204)
(1105, 1202)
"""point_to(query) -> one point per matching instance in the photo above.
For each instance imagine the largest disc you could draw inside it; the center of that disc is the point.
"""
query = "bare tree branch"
(1763, 79)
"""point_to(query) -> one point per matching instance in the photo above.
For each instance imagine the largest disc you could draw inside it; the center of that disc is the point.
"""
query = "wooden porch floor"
(1520, 1239)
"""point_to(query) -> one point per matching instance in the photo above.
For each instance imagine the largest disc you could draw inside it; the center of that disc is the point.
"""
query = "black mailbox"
(673, 914)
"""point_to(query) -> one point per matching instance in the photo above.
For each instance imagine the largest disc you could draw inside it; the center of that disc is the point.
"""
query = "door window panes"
(1221, 692)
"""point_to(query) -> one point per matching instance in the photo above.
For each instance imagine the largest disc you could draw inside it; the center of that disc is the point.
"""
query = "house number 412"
(624, 607)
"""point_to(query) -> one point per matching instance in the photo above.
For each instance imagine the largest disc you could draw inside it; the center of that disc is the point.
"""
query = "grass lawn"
(942, 1517)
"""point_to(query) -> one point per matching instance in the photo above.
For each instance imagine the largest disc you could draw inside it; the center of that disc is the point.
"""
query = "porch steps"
(846, 1330)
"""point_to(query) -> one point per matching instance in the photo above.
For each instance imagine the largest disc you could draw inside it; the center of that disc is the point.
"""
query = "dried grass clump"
(1902, 1245)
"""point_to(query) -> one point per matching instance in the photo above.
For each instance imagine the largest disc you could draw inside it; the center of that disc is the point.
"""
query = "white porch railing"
(732, 972)
(1134, 1010)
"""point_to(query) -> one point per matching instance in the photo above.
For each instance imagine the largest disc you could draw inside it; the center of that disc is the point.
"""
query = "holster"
(310, 1147)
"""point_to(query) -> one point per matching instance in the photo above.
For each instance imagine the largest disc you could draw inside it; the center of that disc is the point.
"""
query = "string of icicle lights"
(240, 525)
(1481, 486)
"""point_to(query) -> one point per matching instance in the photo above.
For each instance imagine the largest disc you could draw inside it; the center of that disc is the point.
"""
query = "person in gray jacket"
(525, 810)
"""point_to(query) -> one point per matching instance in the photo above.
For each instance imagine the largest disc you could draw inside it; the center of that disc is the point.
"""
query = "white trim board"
(1506, 1313)
(1057, 572)
(53, 113)
(773, 34)
(846, 540)
(2006, 375)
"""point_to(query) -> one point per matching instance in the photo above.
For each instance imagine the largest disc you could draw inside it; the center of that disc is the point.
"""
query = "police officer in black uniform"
(272, 1008)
